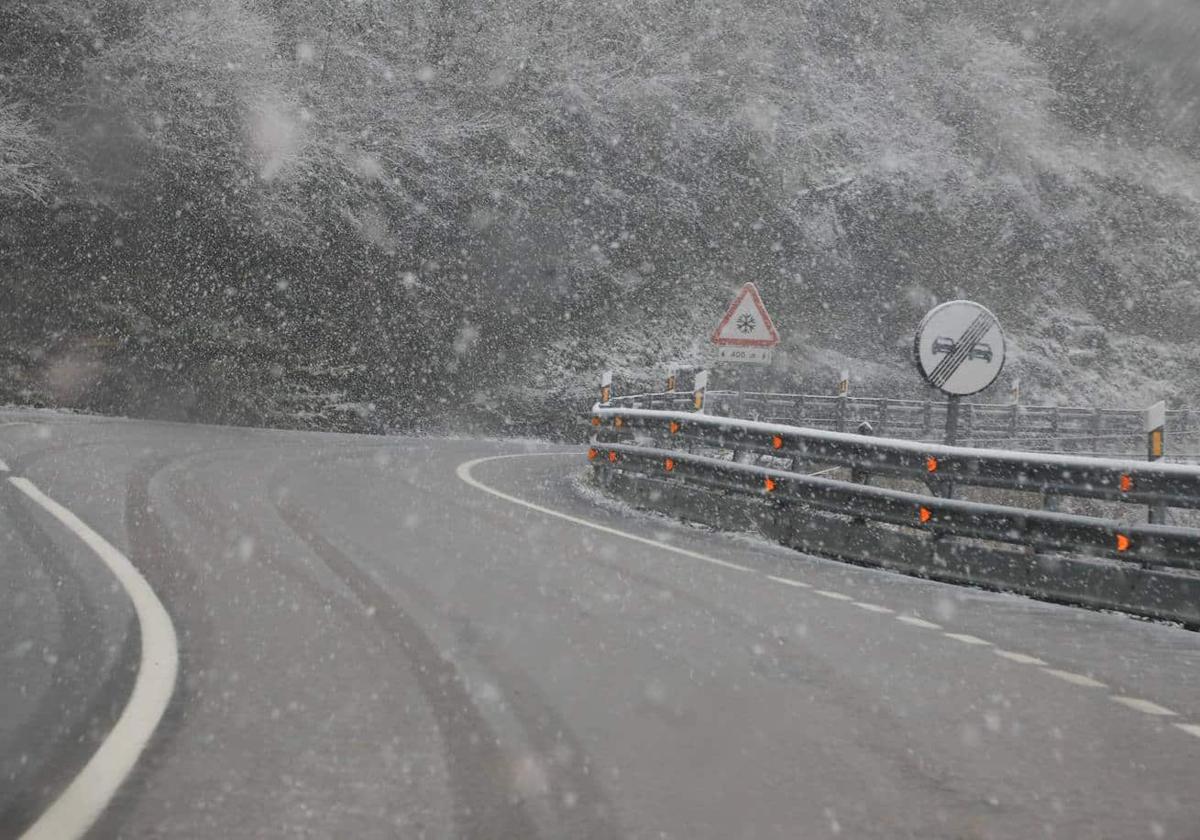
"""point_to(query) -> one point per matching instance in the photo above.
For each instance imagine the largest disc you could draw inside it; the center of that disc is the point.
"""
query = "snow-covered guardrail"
(1113, 479)
(1047, 428)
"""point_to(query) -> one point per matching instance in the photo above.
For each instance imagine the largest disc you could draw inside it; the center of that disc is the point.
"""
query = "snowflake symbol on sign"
(746, 323)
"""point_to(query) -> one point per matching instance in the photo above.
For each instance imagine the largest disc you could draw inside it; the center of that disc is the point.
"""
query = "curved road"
(397, 637)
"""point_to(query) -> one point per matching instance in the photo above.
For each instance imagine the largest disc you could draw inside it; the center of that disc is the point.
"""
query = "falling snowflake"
(746, 323)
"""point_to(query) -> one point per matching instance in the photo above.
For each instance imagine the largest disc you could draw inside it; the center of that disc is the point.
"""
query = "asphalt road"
(393, 638)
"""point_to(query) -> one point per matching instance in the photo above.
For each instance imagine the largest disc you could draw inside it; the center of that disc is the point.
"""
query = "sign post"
(953, 409)
(746, 334)
(1156, 422)
(605, 387)
(959, 349)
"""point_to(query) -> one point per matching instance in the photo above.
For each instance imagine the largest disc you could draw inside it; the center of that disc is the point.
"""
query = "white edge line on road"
(85, 798)
(3, 466)
(1143, 706)
(464, 472)
(1190, 728)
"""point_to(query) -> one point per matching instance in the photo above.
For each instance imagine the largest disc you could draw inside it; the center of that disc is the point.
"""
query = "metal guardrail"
(1150, 544)
(1028, 427)
(730, 472)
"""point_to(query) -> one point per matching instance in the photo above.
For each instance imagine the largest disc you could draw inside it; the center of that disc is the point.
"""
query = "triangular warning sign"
(746, 322)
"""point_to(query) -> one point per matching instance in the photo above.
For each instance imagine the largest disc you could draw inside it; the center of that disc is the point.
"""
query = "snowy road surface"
(407, 637)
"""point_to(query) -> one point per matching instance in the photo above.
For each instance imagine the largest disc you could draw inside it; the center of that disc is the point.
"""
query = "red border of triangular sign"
(752, 291)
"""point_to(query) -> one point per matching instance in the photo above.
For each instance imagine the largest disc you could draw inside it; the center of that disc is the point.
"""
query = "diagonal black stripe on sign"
(961, 345)
(962, 350)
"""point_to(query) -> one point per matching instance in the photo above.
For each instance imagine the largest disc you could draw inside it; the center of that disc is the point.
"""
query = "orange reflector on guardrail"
(925, 513)
(612, 457)
(674, 426)
(595, 421)
(593, 453)
(1122, 542)
(769, 484)
(618, 422)
(931, 464)
(1126, 483)
(669, 464)
(777, 441)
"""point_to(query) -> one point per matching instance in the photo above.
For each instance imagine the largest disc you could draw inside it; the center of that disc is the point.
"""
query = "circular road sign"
(959, 347)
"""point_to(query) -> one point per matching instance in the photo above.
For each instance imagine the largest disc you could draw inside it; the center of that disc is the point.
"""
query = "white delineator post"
(1156, 421)
(605, 387)
(672, 378)
(698, 391)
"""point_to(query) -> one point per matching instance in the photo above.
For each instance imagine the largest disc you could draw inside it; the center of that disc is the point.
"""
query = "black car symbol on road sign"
(943, 344)
(982, 350)
(745, 323)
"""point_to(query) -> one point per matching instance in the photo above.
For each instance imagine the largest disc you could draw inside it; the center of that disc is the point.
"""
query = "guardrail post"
(883, 416)
(927, 428)
(843, 404)
(859, 475)
(1097, 423)
(1054, 428)
(1012, 423)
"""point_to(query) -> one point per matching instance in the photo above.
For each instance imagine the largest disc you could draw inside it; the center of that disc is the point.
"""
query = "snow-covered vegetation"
(361, 212)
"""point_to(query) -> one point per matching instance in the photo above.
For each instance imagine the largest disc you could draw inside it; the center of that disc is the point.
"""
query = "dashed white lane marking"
(966, 639)
(789, 582)
(918, 622)
(1023, 658)
(464, 472)
(1075, 679)
(85, 798)
(875, 608)
(1143, 706)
